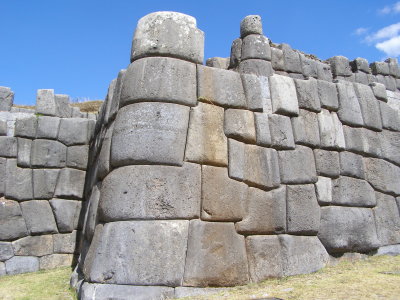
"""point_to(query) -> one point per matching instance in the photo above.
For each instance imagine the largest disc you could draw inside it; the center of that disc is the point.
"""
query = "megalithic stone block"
(48, 153)
(369, 107)
(115, 101)
(67, 213)
(38, 217)
(256, 46)
(250, 25)
(70, 184)
(12, 224)
(349, 108)
(18, 182)
(74, 131)
(44, 183)
(45, 103)
(47, 127)
(283, 95)
(387, 219)
(6, 98)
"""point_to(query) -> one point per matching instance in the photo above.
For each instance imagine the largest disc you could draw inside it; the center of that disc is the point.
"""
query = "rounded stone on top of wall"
(167, 33)
(250, 25)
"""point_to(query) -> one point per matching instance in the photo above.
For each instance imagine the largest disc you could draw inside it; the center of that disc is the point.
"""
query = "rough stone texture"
(38, 217)
(91, 218)
(330, 130)
(218, 62)
(74, 131)
(390, 117)
(151, 192)
(45, 103)
(55, 261)
(303, 211)
(283, 95)
(220, 87)
(389, 144)
(216, 255)
(309, 66)
(62, 106)
(349, 107)
(158, 137)
(44, 183)
(77, 157)
(379, 67)
(323, 188)
(3, 172)
(351, 165)
(263, 134)
(3, 127)
(350, 191)
(277, 59)
(297, 166)
(307, 94)
(324, 71)
(22, 264)
(360, 64)
(387, 220)
(18, 181)
(239, 124)
(340, 66)
(306, 129)
(70, 184)
(222, 197)
(250, 25)
(12, 224)
(327, 94)
(256, 46)
(168, 34)
(347, 229)
(265, 212)
(237, 156)
(24, 152)
(280, 129)
(115, 100)
(382, 175)
(236, 53)
(26, 127)
(291, 59)
(113, 260)
(369, 107)
(6, 98)
(160, 79)
(104, 156)
(206, 141)
(8, 146)
(257, 67)
(33, 245)
(389, 250)
(6, 251)
(181, 292)
(66, 242)
(379, 91)
(47, 127)
(67, 213)
(256, 89)
(48, 153)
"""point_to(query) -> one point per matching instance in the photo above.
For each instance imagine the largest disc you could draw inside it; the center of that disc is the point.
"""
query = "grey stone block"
(22, 264)
(44, 183)
(303, 211)
(53, 261)
(206, 140)
(327, 94)
(168, 33)
(62, 106)
(33, 245)
(265, 212)
(350, 191)
(369, 107)
(283, 95)
(47, 127)
(393, 67)
(6, 98)
(91, 217)
(361, 77)
(295, 76)
(382, 175)
(324, 71)
(239, 124)
(70, 184)
(256, 89)
(280, 129)
(45, 102)
(24, 152)
(340, 66)
(221, 197)
(159, 79)
(306, 129)
(6, 251)
(323, 189)
(277, 59)
(379, 67)
(26, 127)
(387, 220)
(389, 146)
(38, 217)
(360, 64)
(349, 107)
(103, 160)
(351, 165)
(309, 66)
(218, 62)
(327, 163)
(263, 134)
(205, 266)
(115, 100)
(77, 157)
(347, 229)
(330, 130)
(181, 291)
(256, 46)
(18, 181)
(8, 146)
(151, 192)
(237, 157)
(48, 153)
(297, 166)
(236, 53)
(389, 250)
(307, 94)
(220, 87)
(257, 67)
(73, 131)
(12, 224)
(67, 213)
(3, 127)
(158, 137)
(66, 243)
(251, 24)
(3, 177)
(379, 91)
(390, 117)
(113, 260)
(291, 59)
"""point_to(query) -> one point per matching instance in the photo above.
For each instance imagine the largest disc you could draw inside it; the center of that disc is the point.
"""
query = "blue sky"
(78, 46)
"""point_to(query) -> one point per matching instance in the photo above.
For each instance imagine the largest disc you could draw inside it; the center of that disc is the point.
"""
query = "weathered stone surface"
(73, 131)
(263, 135)
(77, 157)
(222, 197)
(327, 163)
(113, 260)
(303, 211)
(369, 107)
(26, 127)
(160, 79)
(8, 146)
(330, 130)
(256, 89)
(389, 250)
(66, 242)
(38, 217)
(67, 213)
(382, 175)
(361, 77)
(306, 129)
(324, 71)
(216, 255)
(390, 117)
(24, 152)
(349, 108)
(237, 157)
(70, 184)
(151, 192)
(277, 59)
(379, 67)
(389, 146)
(18, 181)
(393, 67)
(256, 46)
(12, 224)
(218, 62)
(239, 124)
(62, 106)
(47, 127)
(257, 67)
(3, 127)
(351, 165)
(55, 260)
(33, 245)
(3, 172)
(251, 24)
(116, 96)
(168, 33)
(6, 98)
(350, 191)
(347, 229)
(158, 137)
(387, 219)
(327, 94)
(44, 183)
(297, 166)
(22, 264)
(48, 153)
(236, 53)
(6, 251)
(265, 212)
(379, 91)
(283, 95)
(206, 141)
(309, 66)
(91, 218)
(340, 66)
(104, 155)
(360, 64)
(181, 291)
(291, 59)
(280, 129)
(220, 87)
(45, 103)
(323, 189)
(307, 94)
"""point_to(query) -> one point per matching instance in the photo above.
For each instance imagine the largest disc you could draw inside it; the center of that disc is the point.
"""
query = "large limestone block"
(8, 146)
(24, 152)
(291, 59)
(349, 107)
(283, 95)
(91, 217)
(77, 157)
(306, 129)
(70, 184)
(168, 33)
(323, 188)
(18, 181)
(26, 127)
(22, 264)
(277, 61)
(236, 53)
(74, 131)
(62, 105)
(379, 91)
(387, 219)
(297, 166)
(149, 133)
(309, 66)
(281, 132)
(151, 192)
(330, 130)
(66, 243)
(45, 103)
(113, 260)
(181, 291)
(390, 117)
(222, 198)
(3, 172)
(206, 140)
(347, 229)
(220, 87)
(340, 66)
(239, 124)
(263, 134)
(256, 90)
(47, 127)
(237, 159)
(159, 79)
(33, 245)
(116, 96)
(250, 24)
(324, 72)
(103, 160)
(257, 67)
(382, 175)
(265, 212)
(6, 251)
(389, 146)
(360, 64)
(369, 107)
(307, 94)
(350, 191)
(216, 255)
(328, 95)
(38, 217)
(6, 98)
(303, 211)
(67, 214)
(256, 46)
(44, 183)
(12, 224)
(48, 153)
(52, 261)
(351, 164)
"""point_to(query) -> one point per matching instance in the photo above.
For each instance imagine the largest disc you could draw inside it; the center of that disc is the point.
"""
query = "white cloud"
(387, 32)
(395, 9)
(361, 31)
(391, 47)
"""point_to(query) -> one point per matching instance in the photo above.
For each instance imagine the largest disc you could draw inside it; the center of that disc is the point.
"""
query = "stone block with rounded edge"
(216, 255)
(324, 71)
(62, 105)
(369, 107)
(360, 64)
(382, 175)
(26, 127)
(258, 67)
(393, 67)
(351, 164)
(6, 251)
(347, 229)
(70, 184)
(3, 172)
(38, 217)
(283, 95)
(66, 243)
(291, 59)
(44, 183)
(67, 214)
(307, 94)
(167, 33)
(251, 24)
(309, 66)
(265, 212)
(218, 62)
(8, 146)
(327, 163)
(340, 66)
(379, 67)
(350, 191)
(379, 91)
(277, 61)
(297, 166)
(256, 89)
(330, 130)
(222, 197)
(111, 259)
(116, 96)
(6, 98)
(281, 132)
(239, 125)
(22, 264)
(45, 102)
(77, 157)
(361, 77)
(390, 117)
(48, 154)
(33, 245)
(151, 192)
(328, 95)
(91, 217)
(263, 134)
(18, 182)
(12, 224)
(3, 127)
(24, 152)
(256, 46)
(303, 211)
(149, 133)
(323, 189)
(387, 219)
(53, 261)
(389, 145)
(159, 79)
(349, 111)
(306, 129)
(47, 127)
(74, 131)
(236, 53)
(104, 155)
(206, 140)
(237, 157)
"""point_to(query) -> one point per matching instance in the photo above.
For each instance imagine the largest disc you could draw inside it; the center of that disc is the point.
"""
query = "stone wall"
(43, 159)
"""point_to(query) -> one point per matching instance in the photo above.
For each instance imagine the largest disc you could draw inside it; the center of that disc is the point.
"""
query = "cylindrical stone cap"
(251, 25)
(169, 34)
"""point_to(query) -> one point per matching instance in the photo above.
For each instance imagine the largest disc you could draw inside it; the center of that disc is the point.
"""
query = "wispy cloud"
(388, 9)
(360, 31)
(387, 32)
(391, 47)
